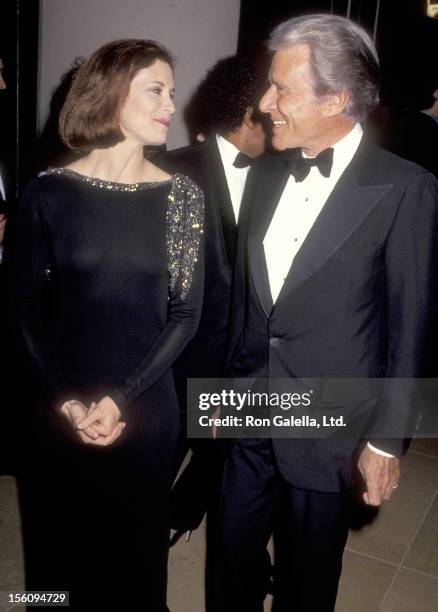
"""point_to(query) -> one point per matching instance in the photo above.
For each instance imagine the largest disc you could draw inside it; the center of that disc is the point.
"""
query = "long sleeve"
(31, 284)
(92, 278)
(412, 289)
(186, 273)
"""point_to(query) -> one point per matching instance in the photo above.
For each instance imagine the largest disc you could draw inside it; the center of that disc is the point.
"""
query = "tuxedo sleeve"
(411, 297)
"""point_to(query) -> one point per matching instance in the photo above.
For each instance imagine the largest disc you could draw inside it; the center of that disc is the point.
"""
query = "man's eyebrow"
(280, 84)
(271, 81)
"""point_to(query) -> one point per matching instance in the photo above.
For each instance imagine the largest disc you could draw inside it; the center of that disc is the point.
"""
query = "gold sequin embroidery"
(109, 185)
(184, 221)
(185, 217)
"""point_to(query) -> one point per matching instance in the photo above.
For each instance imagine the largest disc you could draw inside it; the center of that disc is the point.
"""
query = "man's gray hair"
(342, 58)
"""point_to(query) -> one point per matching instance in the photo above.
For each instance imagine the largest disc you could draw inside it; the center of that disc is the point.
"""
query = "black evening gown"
(109, 282)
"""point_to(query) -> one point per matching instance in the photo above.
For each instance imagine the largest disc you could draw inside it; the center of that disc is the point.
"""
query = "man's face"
(2, 81)
(297, 114)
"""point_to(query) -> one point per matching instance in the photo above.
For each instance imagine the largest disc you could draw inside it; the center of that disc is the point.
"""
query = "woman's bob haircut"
(89, 118)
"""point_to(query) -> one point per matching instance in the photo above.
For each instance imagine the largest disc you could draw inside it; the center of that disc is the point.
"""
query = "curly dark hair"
(223, 97)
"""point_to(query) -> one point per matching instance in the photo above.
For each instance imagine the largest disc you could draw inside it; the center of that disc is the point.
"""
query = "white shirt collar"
(236, 177)
(344, 149)
(227, 150)
(431, 115)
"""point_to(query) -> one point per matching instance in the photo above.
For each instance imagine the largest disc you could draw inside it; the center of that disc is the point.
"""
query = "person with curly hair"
(224, 111)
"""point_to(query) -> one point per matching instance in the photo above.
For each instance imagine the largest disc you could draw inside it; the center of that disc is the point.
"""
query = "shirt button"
(275, 341)
(295, 239)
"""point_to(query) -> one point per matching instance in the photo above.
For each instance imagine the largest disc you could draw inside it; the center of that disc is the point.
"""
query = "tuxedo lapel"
(265, 192)
(345, 209)
(225, 206)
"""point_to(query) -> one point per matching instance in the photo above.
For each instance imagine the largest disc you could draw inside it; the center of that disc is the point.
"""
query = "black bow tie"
(300, 166)
(242, 161)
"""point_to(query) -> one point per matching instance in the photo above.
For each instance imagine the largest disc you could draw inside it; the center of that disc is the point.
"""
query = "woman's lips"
(165, 122)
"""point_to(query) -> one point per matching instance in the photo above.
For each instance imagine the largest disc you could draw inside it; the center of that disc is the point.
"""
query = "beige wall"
(198, 32)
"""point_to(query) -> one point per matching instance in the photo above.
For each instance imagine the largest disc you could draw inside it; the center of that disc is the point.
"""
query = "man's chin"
(279, 146)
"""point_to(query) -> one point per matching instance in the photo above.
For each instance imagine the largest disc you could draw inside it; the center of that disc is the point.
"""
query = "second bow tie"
(242, 161)
(300, 166)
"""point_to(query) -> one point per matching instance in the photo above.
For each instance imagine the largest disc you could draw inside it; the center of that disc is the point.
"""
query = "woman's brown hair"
(89, 118)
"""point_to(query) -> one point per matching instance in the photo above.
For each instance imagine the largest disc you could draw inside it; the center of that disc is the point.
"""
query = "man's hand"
(104, 418)
(381, 475)
(2, 228)
(216, 414)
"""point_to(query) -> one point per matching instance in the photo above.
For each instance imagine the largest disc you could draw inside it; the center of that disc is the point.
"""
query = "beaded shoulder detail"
(110, 185)
(184, 229)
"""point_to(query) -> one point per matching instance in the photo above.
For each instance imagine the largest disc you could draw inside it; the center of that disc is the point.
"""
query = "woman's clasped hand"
(99, 424)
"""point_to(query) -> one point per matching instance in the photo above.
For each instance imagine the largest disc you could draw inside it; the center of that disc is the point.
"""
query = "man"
(334, 279)
(226, 106)
(225, 110)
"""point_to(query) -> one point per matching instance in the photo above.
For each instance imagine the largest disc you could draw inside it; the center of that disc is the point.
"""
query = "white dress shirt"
(2, 189)
(236, 177)
(298, 209)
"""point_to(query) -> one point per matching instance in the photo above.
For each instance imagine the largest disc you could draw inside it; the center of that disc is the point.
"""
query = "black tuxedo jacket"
(204, 355)
(356, 302)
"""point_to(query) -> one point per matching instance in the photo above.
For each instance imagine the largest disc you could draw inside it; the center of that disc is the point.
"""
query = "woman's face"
(148, 108)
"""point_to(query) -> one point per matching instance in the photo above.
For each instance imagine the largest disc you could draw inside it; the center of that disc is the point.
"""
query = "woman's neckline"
(110, 185)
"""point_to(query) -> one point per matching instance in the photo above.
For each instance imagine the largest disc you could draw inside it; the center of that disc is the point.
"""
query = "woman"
(109, 284)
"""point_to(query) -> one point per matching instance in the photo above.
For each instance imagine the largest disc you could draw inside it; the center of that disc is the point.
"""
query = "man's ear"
(336, 103)
(247, 118)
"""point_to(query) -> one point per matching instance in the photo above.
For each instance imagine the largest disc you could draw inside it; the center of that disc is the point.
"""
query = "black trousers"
(195, 493)
(311, 529)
